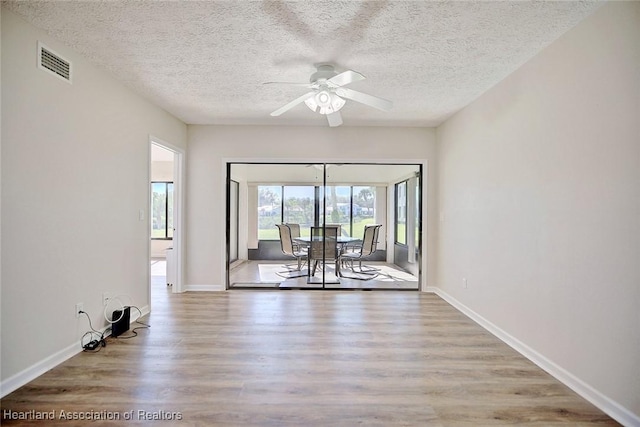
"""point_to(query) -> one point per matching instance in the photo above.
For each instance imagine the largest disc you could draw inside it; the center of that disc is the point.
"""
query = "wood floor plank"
(305, 358)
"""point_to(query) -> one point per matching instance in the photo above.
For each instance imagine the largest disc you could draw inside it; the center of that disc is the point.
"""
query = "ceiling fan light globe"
(337, 103)
(312, 104)
(323, 99)
(325, 102)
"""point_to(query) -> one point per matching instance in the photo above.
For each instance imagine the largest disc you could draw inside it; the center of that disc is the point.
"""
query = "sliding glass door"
(328, 207)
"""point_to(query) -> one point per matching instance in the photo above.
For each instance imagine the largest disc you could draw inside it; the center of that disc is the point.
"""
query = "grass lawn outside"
(305, 230)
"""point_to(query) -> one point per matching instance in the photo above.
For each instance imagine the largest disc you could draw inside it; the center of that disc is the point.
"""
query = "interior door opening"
(165, 202)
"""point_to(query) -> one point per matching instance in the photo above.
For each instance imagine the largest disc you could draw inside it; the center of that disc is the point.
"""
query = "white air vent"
(53, 63)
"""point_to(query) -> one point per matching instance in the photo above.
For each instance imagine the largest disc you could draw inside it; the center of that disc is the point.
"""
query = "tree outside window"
(338, 205)
(299, 206)
(350, 206)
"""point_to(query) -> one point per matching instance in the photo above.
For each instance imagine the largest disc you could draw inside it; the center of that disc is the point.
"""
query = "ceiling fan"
(328, 94)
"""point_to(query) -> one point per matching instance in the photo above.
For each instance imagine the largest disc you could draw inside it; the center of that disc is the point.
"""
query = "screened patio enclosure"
(313, 199)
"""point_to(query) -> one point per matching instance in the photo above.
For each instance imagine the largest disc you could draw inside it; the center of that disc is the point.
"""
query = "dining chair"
(295, 229)
(367, 248)
(323, 248)
(287, 246)
(295, 233)
(338, 226)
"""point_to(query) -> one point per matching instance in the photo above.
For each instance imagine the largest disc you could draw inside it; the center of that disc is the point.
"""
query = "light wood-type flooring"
(304, 358)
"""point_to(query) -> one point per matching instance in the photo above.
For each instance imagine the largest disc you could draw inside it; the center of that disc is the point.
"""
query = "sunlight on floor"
(272, 274)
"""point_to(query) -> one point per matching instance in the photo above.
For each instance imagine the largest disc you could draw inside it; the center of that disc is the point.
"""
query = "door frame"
(422, 220)
(178, 209)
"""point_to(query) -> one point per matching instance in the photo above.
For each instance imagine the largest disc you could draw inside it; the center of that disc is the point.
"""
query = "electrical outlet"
(106, 296)
(79, 308)
(464, 283)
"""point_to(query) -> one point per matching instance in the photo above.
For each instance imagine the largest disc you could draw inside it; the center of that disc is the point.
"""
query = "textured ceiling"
(205, 61)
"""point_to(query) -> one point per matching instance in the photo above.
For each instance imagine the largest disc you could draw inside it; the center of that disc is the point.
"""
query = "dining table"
(342, 243)
(342, 240)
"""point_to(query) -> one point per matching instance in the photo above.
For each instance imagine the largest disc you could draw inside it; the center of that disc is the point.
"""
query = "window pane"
(298, 206)
(158, 210)
(401, 213)
(350, 207)
(269, 211)
(338, 204)
(364, 202)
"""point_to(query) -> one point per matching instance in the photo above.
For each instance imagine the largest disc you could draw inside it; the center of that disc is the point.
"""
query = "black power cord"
(94, 345)
(97, 338)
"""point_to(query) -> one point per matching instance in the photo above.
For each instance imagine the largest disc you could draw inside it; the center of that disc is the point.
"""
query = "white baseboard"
(29, 374)
(144, 311)
(236, 263)
(204, 288)
(34, 371)
(598, 399)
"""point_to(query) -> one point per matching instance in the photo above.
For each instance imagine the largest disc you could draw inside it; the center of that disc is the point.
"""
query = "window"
(269, 211)
(298, 206)
(350, 206)
(363, 209)
(162, 210)
(338, 207)
(401, 213)
(278, 204)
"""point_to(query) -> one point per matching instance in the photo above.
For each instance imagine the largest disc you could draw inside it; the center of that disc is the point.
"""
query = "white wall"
(210, 147)
(539, 193)
(70, 227)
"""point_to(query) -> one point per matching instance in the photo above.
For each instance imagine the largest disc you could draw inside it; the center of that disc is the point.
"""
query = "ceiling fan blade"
(334, 119)
(345, 78)
(288, 84)
(293, 103)
(363, 98)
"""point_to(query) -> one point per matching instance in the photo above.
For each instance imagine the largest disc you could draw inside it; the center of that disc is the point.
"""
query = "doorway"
(165, 214)
(312, 197)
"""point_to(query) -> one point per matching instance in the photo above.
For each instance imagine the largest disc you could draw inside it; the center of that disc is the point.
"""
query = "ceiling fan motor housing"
(325, 72)
(325, 101)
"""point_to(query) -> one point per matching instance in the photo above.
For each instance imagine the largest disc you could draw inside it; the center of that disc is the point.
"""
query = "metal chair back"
(324, 243)
(369, 240)
(286, 242)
